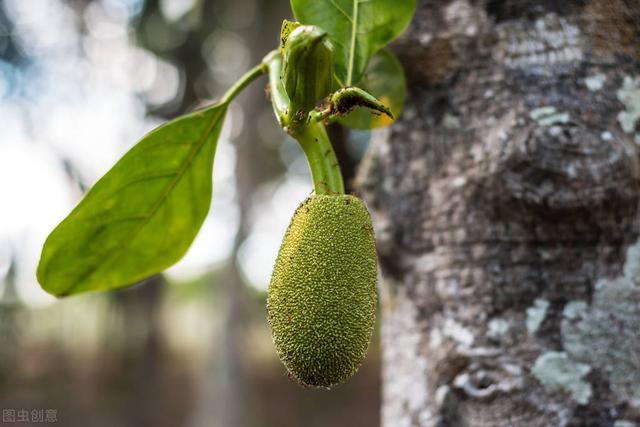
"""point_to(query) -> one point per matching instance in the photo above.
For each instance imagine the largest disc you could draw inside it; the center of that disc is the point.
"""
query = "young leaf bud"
(307, 68)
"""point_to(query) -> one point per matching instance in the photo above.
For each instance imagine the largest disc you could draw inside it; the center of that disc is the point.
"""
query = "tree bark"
(505, 202)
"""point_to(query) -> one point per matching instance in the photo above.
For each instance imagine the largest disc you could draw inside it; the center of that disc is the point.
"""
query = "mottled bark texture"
(505, 202)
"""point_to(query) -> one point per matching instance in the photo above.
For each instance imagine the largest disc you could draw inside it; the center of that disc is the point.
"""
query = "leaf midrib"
(354, 28)
(165, 194)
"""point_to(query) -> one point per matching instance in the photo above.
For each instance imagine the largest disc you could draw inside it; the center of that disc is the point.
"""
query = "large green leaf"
(359, 28)
(384, 79)
(141, 216)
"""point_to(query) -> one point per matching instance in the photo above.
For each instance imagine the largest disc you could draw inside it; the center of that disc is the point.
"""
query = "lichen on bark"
(605, 334)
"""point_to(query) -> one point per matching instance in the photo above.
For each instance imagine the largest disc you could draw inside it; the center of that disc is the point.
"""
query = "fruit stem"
(325, 170)
(309, 132)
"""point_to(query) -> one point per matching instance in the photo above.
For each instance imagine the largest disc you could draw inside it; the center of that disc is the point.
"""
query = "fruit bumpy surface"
(322, 296)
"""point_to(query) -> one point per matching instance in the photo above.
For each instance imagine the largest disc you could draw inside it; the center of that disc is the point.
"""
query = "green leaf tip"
(142, 215)
(285, 30)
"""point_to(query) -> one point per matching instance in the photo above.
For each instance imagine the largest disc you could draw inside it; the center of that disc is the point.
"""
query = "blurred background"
(80, 82)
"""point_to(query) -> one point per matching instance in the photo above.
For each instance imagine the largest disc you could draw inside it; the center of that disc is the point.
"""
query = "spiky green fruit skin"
(321, 301)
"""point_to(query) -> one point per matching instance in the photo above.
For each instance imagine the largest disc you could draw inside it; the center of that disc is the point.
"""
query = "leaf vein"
(165, 194)
(354, 28)
(337, 6)
(145, 178)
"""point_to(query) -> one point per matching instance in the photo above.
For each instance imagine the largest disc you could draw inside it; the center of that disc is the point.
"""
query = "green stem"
(243, 82)
(310, 134)
(325, 170)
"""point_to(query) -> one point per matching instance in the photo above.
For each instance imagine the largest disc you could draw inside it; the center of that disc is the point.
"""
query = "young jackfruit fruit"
(322, 297)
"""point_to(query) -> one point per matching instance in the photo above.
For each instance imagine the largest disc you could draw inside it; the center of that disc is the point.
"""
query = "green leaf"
(384, 79)
(141, 216)
(358, 28)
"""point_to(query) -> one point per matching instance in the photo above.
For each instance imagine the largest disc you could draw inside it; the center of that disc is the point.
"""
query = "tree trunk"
(505, 202)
